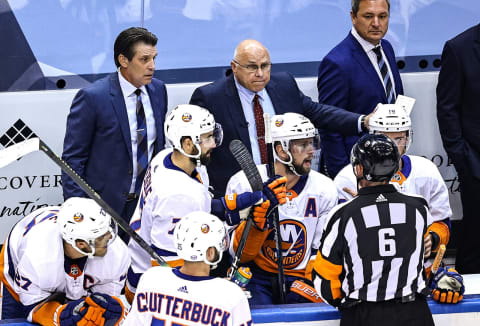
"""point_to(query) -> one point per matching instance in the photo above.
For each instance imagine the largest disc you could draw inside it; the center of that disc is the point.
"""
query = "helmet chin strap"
(214, 264)
(288, 163)
(89, 254)
(196, 157)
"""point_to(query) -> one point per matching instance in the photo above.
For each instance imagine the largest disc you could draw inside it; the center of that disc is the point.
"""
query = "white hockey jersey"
(301, 221)
(168, 193)
(34, 264)
(168, 297)
(418, 176)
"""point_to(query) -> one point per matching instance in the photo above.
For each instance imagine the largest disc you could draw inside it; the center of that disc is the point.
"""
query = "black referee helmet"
(378, 155)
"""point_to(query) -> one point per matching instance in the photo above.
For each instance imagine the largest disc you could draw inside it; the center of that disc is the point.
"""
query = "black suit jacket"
(458, 101)
(222, 100)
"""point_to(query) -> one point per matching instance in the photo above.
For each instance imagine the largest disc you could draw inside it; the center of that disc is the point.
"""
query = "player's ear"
(187, 144)
(82, 245)
(211, 254)
(280, 151)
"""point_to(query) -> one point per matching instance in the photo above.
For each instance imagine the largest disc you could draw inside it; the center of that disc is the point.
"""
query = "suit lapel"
(362, 59)
(157, 115)
(275, 98)
(121, 111)
(235, 110)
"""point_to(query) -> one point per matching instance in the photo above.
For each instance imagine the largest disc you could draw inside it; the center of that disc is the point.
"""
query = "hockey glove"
(113, 308)
(78, 312)
(260, 216)
(275, 190)
(447, 286)
(237, 206)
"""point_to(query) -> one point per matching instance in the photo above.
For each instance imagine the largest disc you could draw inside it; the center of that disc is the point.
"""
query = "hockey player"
(176, 184)
(416, 175)
(188, 295)
(64, 265)
(370, 261)
(310, 196)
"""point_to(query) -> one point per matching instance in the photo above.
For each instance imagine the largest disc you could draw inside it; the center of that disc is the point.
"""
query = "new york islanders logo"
(278, 122)
(294, 244)
(78, 217)
(204, 228)
(186, 117)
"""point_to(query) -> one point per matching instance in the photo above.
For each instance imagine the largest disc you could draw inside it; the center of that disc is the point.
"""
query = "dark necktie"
(142, 142)
(260, 124)
(385, 75)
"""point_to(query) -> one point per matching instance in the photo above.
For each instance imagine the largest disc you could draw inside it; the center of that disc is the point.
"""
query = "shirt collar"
(246, 93)
(367, 46)
(127, 87)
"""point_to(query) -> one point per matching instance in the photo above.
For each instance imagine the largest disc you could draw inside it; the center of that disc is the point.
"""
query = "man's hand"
(349, 191)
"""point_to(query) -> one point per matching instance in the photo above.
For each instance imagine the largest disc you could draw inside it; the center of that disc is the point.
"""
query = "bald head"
(247, 55)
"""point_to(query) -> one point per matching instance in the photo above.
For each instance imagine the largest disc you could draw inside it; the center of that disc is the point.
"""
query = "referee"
(370, 261)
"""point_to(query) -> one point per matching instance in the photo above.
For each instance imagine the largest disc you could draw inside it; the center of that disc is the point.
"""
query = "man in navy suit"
(350, 77)
(235, 98)
(101, 136)
(458, 114)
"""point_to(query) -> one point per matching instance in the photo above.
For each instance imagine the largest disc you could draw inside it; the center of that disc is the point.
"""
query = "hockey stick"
(245, 161)
(436, 263)
(14, 152)
(275, 217)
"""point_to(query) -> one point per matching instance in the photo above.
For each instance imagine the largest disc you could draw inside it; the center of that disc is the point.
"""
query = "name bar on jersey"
(181, 308)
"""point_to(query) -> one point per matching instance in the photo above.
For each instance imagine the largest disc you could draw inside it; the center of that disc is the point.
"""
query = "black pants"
(388, 313)
(467, 260)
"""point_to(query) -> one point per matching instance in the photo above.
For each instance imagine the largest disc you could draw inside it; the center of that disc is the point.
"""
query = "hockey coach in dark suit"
(115, 125)
(239, 100)
(458, 114)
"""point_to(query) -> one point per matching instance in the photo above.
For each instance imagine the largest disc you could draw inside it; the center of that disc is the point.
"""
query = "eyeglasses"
(265, 67)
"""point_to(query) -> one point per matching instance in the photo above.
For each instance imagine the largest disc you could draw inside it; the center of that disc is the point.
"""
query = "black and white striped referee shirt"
(372, 247)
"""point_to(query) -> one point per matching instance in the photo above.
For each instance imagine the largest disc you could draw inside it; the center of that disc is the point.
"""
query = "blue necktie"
(385, 75)
(142, 142)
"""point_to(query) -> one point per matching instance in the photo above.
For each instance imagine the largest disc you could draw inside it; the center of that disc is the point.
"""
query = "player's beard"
(205, 158)
(301, 169)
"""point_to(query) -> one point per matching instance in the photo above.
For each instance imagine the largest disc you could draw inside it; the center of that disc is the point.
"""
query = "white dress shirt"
(130, 98)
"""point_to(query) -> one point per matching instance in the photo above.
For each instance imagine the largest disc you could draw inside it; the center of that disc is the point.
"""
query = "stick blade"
(14, 152)
(247, 164)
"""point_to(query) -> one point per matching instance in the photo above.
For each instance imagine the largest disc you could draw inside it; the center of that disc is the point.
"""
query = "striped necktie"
(387, 81)
(142, 142)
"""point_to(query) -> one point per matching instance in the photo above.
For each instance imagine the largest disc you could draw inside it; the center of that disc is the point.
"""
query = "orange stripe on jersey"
(254, 242)
(442, 230)
(7, 285)
(309, 268)
(171, 263)
(45, 313)
(129, 295)
(329, 272)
